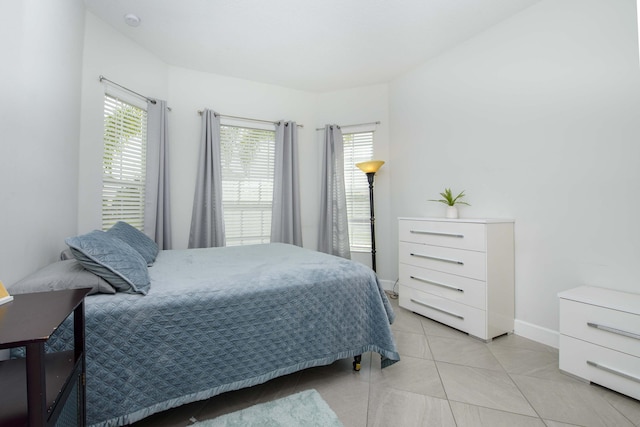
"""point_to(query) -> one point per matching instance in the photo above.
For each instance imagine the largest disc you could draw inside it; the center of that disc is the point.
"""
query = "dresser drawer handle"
(613, 371)
(614, 330)
(452, 261)
(437, 283)
(437, 233)
(437, 309)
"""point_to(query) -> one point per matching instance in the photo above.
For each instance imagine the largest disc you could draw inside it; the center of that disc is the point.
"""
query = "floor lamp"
(370, 168)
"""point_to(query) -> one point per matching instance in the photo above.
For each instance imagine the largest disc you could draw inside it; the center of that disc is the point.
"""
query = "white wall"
(538, 120)
(39, 126)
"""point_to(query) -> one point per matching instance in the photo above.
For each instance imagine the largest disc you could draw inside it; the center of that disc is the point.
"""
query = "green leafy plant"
(449, 200)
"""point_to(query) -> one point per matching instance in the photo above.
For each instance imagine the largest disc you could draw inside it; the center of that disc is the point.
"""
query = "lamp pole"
(372, 219)
(370, 168)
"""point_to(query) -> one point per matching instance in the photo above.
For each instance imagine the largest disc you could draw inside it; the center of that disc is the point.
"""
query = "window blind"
(123, 163)
(358, 147)
(248, 156)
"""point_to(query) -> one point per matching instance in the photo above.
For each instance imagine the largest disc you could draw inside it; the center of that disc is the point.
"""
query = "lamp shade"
(370, 166)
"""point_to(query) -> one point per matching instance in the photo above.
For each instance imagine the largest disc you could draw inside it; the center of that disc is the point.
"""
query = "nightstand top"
(602, 297)
(34, 317)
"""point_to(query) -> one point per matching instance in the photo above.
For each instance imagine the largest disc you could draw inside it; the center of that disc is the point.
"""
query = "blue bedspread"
(221, 319)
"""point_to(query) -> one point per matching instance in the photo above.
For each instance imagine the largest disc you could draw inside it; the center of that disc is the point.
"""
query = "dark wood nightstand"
(42, 386)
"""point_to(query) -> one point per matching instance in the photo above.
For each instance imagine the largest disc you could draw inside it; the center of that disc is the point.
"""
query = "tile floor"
(445, 378)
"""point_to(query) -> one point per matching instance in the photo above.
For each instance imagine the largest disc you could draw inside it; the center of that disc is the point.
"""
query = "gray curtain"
(334, 224)
(157, 214)
(207, 222)
(285, 218)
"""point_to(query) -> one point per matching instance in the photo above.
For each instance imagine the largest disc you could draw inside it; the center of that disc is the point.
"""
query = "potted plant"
(451, 202)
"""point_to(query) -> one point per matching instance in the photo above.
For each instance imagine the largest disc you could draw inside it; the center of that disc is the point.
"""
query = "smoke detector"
(132, 20)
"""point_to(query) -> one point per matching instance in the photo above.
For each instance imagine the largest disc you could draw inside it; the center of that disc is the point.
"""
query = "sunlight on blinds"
(358, 147)
(123, 163)
(247, 183)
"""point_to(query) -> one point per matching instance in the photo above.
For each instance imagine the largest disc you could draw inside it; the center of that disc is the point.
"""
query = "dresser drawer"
(613, 369)
(610, 328)
(448, 234)
(454, 261)
(456, 288)
(460, 316)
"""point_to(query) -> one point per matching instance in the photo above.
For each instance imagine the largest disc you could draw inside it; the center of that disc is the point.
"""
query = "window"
(358, 147)
(123, 163)
(247, 183)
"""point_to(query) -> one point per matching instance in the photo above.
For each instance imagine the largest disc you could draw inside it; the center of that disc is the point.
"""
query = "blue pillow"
(112, 259)
(136, 239)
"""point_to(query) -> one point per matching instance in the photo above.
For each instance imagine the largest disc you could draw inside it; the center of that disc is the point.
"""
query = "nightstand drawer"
(460, 316)
(448, 234)
(619, 330)
(613, 369)
(456, 288)
(454, 261)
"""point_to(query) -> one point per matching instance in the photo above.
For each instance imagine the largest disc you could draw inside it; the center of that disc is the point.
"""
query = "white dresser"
(600, 337)
(459, 272)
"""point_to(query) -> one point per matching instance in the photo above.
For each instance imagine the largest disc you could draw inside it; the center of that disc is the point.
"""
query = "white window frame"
(129, 178)
(247, 200)
(357, 187)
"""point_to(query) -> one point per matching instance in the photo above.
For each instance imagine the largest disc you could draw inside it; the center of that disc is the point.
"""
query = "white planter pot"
(452, 212)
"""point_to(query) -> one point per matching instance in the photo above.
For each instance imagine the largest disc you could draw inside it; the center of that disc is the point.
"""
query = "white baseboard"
(537, 333)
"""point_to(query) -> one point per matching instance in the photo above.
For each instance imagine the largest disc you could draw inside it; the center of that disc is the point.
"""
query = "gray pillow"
(112, 259)
(66, 254)
(136, 239)
(60, 275)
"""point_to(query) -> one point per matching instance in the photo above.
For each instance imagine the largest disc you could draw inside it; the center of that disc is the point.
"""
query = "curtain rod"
(151, 100)
(247, 119)
(359, 124)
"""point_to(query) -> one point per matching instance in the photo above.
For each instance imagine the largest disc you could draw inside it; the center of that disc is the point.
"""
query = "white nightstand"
(600, 337)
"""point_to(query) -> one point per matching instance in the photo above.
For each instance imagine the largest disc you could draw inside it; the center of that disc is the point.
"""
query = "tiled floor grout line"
(612, 406)
(522, 393)
(515, 383)
(370, 366)
(433, 358)
(538, 415)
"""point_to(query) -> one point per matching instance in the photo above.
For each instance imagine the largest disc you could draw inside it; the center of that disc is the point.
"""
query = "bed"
(221, 319)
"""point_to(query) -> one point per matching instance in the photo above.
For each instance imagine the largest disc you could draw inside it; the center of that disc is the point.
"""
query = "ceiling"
(314, 46)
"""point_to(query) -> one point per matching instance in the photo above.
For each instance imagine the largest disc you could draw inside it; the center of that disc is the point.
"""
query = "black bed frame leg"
(356, 362)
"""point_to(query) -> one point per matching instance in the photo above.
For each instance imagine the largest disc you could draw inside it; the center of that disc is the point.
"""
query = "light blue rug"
(301, 409)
